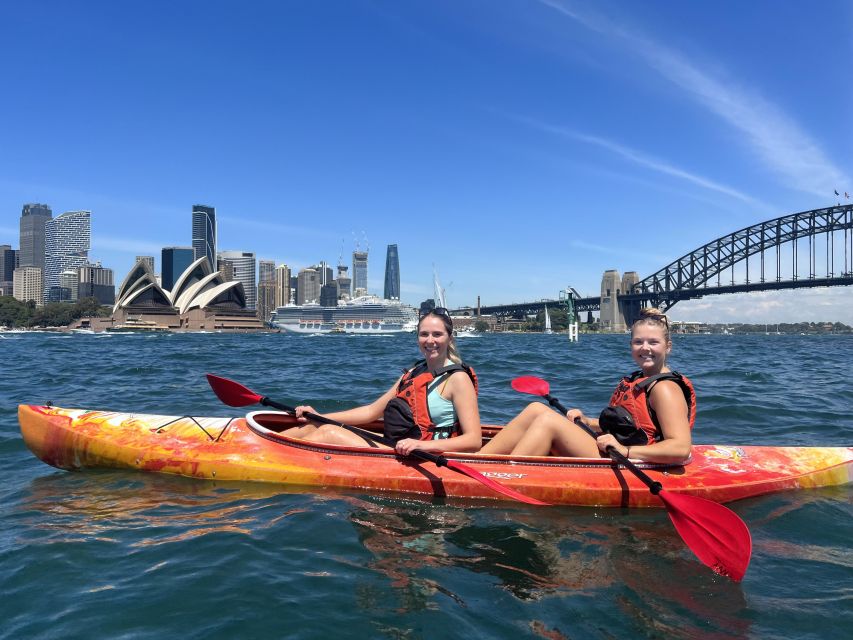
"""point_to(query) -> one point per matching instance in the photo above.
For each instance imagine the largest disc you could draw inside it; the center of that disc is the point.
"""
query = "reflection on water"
(90, 505)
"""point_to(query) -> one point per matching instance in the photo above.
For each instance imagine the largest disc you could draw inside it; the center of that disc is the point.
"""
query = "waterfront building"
(95, 281)
(245, 269)
(308, 287)
(266, 300)
(32, 239)
(344, 283)
(282, 285)
(173, 262)
(28, 284)
(68, 285)
(226, 268)
(201, 300)
(329, 294)
(67, 243)
(266, 271)
(392, 273)
(149, 260)
(325, 271)
(8, 264)
(204, 233)
(359, 273)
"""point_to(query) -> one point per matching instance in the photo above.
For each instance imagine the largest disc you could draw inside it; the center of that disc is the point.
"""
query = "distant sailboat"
(547, 321)
(440, 300)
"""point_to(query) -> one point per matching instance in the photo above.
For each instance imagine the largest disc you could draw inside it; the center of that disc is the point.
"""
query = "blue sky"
(518, 146)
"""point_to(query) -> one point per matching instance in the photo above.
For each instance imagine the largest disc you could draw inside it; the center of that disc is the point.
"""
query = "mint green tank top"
(441, 409)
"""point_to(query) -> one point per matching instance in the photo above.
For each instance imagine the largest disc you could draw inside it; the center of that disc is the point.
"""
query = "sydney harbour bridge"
(800, 250)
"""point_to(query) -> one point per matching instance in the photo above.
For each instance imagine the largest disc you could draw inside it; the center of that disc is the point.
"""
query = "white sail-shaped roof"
(208, 282)
(196, 271)
(151, 292)
(232, 290)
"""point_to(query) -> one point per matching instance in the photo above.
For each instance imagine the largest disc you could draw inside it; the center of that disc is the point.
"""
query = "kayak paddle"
(716, 534)
(235, 394)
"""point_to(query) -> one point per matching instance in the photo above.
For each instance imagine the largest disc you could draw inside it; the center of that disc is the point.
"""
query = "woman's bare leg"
(508, 437)
(331, 434)
(301, 431)
(553, 432)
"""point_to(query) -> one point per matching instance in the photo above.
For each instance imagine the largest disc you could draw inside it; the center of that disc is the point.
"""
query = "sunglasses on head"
(439, 311)
(657, 316)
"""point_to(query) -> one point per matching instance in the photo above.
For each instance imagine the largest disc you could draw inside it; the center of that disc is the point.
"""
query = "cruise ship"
(364, 315)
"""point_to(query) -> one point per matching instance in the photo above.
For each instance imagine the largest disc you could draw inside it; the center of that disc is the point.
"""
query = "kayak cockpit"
(270, 425)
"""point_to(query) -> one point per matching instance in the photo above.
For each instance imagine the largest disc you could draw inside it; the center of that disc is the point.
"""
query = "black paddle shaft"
(440, 461)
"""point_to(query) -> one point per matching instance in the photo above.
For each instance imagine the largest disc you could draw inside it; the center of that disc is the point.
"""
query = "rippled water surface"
(116, 554)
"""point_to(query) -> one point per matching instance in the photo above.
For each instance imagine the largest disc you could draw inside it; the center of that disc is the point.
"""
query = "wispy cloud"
(644, 160)
(776, 138)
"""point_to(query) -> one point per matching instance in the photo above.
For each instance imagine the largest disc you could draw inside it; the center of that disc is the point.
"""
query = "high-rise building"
(204, 233)
(282, 285)
(149, 260)
(226, 268)
(266, 271)
(266, 289)
(173, 262)
(325, 271)
(32, 241)
(67, 243)
(69, 282)
(329, 294)
(344, 283)
(28, 284)
(308, 288)
(359, 273)
(96, 281)
(8, 264)
(392, 273)
(245, 269)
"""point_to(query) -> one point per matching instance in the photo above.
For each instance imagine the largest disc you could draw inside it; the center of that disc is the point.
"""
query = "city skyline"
(554, 140)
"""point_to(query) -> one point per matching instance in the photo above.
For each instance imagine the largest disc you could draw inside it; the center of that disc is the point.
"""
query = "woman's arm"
(460, 391)
(358, 415)
(668, 401)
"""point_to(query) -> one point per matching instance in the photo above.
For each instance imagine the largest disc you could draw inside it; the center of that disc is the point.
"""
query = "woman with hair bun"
(432, 406)
(649, 417)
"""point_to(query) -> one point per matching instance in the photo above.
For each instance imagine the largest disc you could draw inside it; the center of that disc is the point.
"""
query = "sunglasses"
(657, 316)
(439, 311)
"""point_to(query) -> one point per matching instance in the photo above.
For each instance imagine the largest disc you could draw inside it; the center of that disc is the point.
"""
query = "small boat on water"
(547, 321)
(252, 448)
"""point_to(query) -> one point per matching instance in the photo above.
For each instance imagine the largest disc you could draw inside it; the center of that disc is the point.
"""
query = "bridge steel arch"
(689, 276)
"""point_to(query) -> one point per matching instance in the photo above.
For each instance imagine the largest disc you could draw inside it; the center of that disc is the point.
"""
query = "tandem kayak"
(251, 448)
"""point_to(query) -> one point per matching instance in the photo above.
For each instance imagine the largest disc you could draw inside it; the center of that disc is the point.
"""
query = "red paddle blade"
(232, 393)
(715, 533)
(495, 486)
(532, 385)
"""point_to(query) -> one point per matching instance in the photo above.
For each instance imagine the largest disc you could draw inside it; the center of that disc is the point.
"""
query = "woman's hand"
(576, 414)
(407, 445)
(303, 409)
(608, 440)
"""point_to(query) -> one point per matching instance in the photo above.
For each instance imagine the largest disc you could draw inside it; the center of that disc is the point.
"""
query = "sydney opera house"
(201, 300)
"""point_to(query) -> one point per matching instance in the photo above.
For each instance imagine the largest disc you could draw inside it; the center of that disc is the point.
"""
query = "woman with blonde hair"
(432, 407)
(649, 417)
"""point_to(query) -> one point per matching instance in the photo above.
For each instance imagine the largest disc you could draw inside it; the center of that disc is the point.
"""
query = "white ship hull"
(362, 316)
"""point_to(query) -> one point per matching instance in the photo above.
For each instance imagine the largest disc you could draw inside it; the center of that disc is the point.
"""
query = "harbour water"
(132, 555)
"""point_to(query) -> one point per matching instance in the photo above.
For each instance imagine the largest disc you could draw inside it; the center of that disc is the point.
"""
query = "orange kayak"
(251, 448)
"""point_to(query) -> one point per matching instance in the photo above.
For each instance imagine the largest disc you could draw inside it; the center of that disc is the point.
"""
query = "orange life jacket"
(632, 393)
(413, 391)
